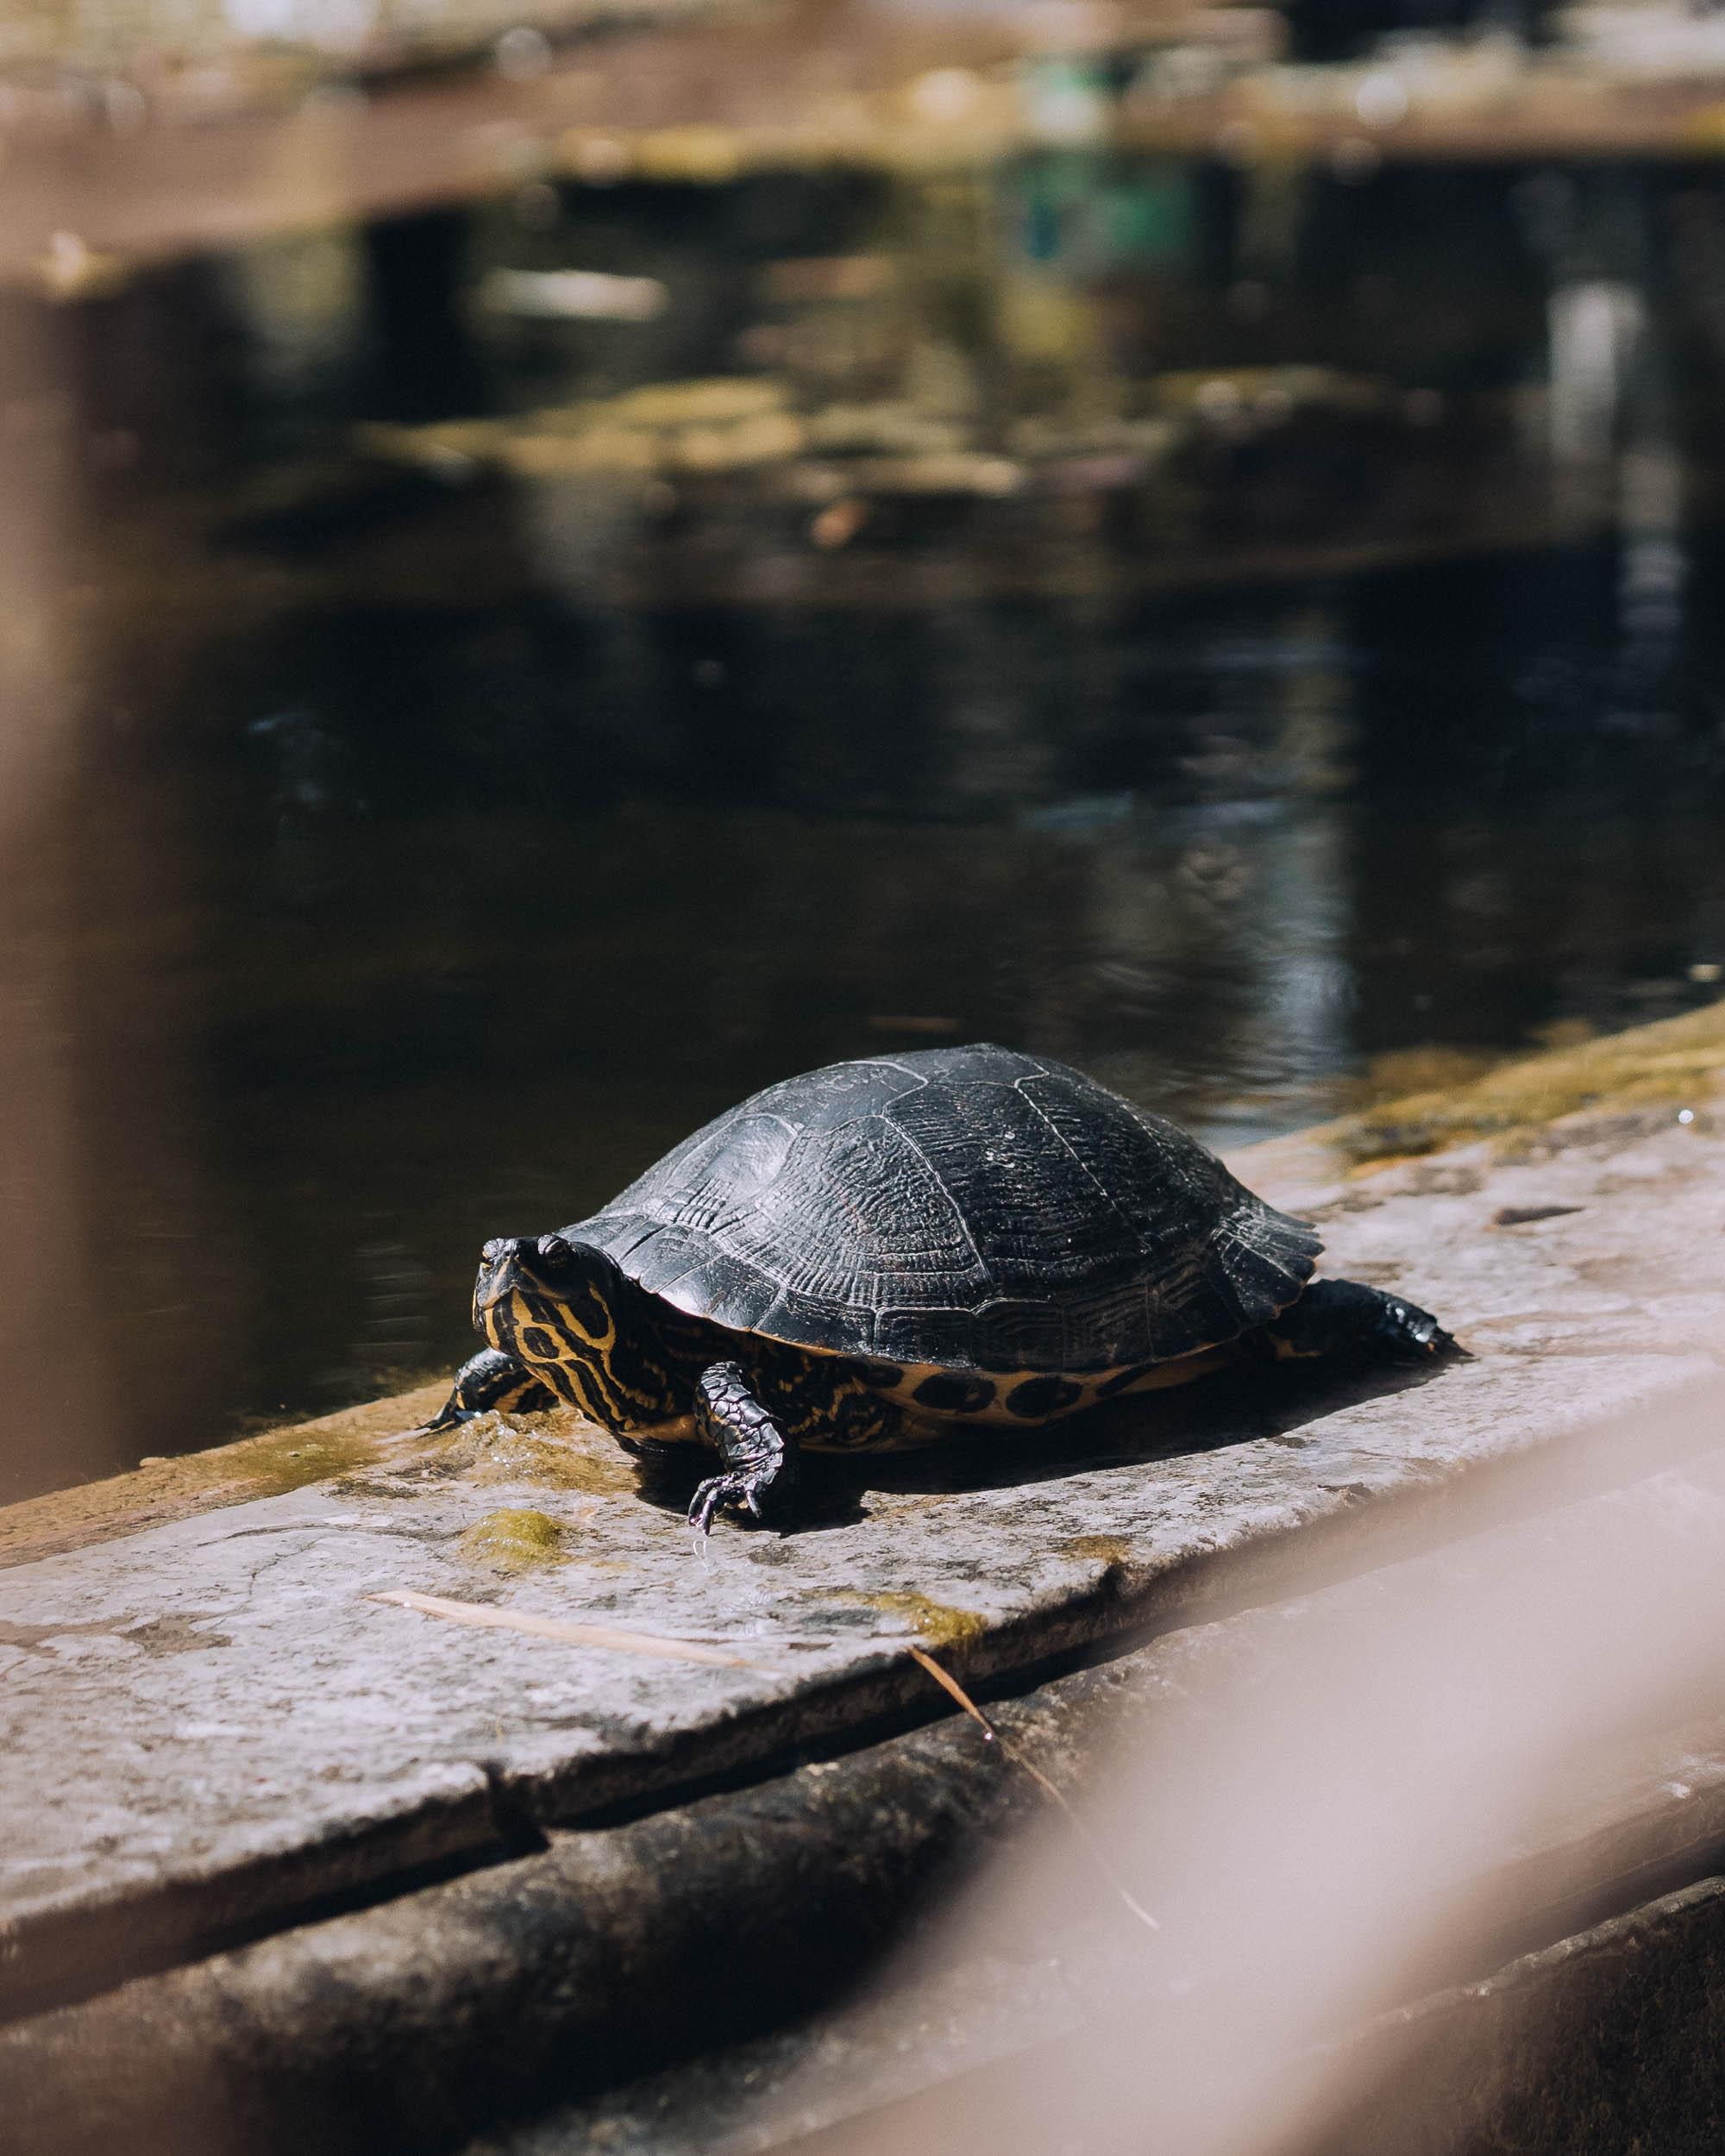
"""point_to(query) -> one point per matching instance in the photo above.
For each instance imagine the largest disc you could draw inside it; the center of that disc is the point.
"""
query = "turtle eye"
(553, 1250)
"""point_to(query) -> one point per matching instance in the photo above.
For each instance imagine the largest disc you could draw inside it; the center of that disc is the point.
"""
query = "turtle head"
(546, 1284)
(562, 1308)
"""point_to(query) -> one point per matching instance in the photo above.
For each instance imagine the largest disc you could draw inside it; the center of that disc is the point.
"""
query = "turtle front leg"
(1341, 1320)
(491, 1379)
(758, 1457)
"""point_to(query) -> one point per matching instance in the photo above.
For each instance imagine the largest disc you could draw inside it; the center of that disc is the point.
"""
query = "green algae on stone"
(558, 1449)
(935, 1624)
(1400, 1074)
(1108, 1550)
(514, 1540)
(274, 1465)
(1676, 1062)
(269, 1465)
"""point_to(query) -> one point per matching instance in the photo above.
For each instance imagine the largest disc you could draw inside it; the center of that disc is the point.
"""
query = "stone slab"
(615, 1947)
(209, 1726)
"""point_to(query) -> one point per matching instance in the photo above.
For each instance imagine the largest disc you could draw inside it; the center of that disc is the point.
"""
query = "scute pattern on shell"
(967, 1207)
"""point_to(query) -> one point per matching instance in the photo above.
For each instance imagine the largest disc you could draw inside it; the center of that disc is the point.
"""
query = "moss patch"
(1678, 1063)
(375, 1435)
(275, 1464)
(1403, 1072)
(377, 1446)
(558, 1451)
(1105, 1549)
(935, 1624)
(514, 1540)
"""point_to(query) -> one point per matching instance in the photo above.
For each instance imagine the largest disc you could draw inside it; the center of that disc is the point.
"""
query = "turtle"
(873, 1252)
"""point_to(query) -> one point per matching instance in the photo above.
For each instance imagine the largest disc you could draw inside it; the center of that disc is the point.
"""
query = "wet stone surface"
(212, 1725)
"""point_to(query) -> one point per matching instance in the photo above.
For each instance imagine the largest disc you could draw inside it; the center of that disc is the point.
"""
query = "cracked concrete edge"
(614, 1952)
(401, 2027)
(1622, 1073)
(445, 1818)
(462, 1814)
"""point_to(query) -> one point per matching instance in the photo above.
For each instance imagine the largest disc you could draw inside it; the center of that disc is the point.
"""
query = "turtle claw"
(722, 1489)
(757, 1458)
(489, 1379)
(448, 1417)
(704, 1503)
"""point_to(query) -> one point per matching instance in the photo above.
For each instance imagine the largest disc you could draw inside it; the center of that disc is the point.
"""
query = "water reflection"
(1074, 605)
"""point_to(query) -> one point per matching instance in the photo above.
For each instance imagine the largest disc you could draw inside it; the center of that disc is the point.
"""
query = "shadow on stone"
(1235, 1408)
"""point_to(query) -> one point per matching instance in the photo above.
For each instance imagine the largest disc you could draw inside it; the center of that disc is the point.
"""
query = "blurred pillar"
(111, 1336)
(423, 362)
(55, 1379)
(154, 365)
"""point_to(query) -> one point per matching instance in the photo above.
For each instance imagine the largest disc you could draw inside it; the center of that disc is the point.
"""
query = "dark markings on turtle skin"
(881, 1377)
(1133, 1374)
(627, 1378)
(1038, 1398)
(634, 1364)
(866, 1254)
(955, 1393)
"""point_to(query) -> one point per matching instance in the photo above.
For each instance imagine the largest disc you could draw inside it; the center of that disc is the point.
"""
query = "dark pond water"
(432, 886)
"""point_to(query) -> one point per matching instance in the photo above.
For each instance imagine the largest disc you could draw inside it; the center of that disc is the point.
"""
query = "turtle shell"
(969, 1208)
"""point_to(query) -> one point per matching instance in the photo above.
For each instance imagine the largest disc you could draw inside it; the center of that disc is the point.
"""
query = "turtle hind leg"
(1342, 1321)
(759, 1460)
(491, 1379)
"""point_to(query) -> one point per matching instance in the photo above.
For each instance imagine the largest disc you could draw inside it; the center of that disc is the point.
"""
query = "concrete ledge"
(614, 1950)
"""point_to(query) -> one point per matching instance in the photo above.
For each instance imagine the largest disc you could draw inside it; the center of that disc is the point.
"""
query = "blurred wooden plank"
(408, 144)
(786, 83)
